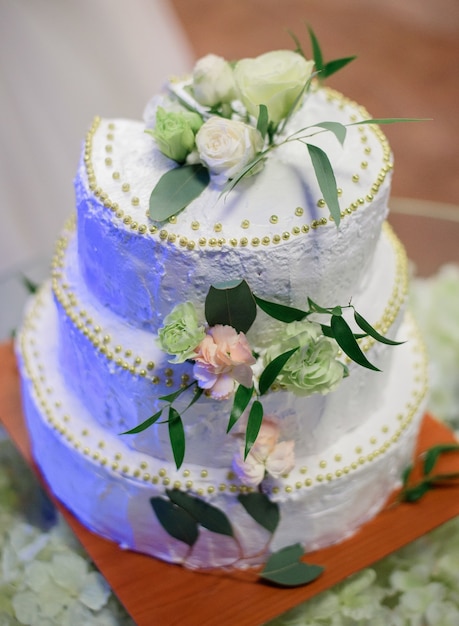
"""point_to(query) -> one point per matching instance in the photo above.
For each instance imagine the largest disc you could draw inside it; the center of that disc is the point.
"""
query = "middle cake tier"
(120, 373)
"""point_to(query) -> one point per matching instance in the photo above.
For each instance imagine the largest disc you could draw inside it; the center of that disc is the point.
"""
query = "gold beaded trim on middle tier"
(243, 241)
(191, 478)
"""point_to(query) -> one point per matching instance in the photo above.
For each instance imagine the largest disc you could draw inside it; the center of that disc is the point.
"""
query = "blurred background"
(61, 63)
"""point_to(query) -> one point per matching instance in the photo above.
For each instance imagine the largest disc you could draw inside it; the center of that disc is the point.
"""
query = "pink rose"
(222, 357)
(267, 456)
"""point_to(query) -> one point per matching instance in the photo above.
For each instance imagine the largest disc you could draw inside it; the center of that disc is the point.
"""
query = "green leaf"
(261, 509)
(273, 369)
(173, 396)
(389, 120)
(176, 436)
(284, 568)
(253, 426)
(413, 494)
(29, 285)
(316, 308)
(348, 343)
(144, 425)
(244, 171)
(316, 51)
(202, 512)
(263, 120)
(369, 330)
(326, 179)
(197, 394)
(176, 189)
(334, 66)
(432, 455)
(339, 130)
(298, 48)
(176, 521)
(280, 311)
(406, 474)
(231, 304)
(241, 401)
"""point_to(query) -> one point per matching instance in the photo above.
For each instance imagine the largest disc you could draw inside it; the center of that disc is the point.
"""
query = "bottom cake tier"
(109, 486)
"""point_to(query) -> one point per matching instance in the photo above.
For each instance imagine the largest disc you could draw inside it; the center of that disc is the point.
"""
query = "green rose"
(314, 368)
(174, 132)
(181, 332)
(274, 79)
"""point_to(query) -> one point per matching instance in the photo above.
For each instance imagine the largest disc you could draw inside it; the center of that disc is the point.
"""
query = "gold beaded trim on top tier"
(149, 228)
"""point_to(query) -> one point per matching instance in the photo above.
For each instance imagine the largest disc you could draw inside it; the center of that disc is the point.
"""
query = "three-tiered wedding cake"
(228, 305)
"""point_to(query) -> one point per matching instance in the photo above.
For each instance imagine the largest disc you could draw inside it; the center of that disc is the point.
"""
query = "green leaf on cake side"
(273, 369)
(175, 521)
(144, 425)
(176, 189)
(253, 426)
(285, 568)
(261, 509)
(344, 337)
(280, 312)
(369, 330)
(176, 436)
(326, 180)
(231, 304)
(202, 512)
(241, 401)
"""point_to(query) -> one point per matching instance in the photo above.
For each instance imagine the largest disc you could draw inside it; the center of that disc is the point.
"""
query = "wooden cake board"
(155, 592)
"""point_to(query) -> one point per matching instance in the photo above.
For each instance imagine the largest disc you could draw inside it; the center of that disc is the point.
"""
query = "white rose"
(274, 79)
(213, 81)
(225, 146)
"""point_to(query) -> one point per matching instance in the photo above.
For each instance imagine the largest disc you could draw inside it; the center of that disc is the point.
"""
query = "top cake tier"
(273, 229)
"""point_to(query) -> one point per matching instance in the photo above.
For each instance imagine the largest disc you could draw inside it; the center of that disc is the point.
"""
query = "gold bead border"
(124, 357)
(190, 478)
(215, 242)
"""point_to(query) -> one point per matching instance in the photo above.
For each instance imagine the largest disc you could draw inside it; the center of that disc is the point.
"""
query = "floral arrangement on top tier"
(221, 125)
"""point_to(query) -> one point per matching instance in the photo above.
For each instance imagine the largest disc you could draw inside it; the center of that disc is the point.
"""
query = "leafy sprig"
(182, 515)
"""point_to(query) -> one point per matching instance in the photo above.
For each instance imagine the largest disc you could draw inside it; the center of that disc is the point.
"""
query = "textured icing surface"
(326, 497)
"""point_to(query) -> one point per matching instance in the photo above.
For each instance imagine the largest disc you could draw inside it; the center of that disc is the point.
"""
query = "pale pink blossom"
(223, 357)
(267, 456)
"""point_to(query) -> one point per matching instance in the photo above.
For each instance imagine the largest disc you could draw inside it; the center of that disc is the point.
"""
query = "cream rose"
(225, 146)
(274, 79)
(213, 81)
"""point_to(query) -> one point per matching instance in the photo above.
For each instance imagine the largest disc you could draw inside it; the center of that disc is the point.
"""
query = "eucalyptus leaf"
(173, 396)
(406, 474)
(413, 494)
(244, 171)
(30, 285)
(389, 120)
(241, 401)
(144, 425)
(176, 189)
(232, 306)
(326, 179)
(280, 311)
(261, 509)
(316, 50)
(316, 308)
(364, 325)
(331, 67)
(285, 568)
(202, 512)
(298, 49)
(263, 120)
(344, 337)
(253, 426)
(339, 130)
(273, 369)
(197, 394)
(432, 455)
(176, 436)
(176, 521)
